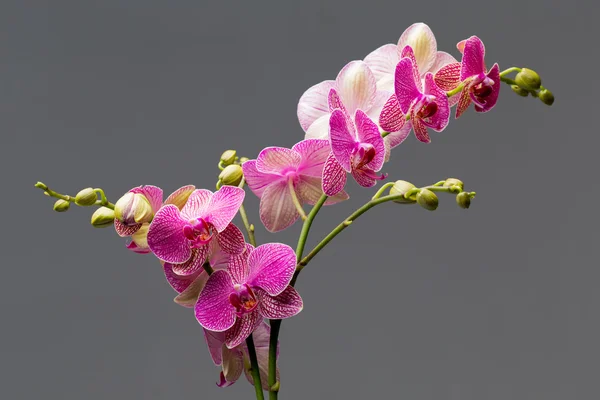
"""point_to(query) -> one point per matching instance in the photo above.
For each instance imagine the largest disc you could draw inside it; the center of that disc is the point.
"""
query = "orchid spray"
(351, 124)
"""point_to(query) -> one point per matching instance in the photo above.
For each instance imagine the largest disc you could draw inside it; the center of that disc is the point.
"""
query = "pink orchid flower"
(279, 174)
(421, 39)
(154, 195)
(481, 86)
(234, 361)
(182, 237)
(357, 147)
(426, 106)
(235, 300)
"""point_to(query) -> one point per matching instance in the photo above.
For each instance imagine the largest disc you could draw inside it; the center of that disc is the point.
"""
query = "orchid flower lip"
(243, 299)
(198, 232)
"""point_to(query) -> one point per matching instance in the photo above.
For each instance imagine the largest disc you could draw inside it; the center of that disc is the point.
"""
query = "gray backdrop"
(497, 302)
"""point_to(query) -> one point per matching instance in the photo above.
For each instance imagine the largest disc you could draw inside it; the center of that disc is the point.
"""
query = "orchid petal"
(319, 129)
(196, 204)
(383, 60)
(313, 104)
(407, 52)
(189, 297)
(223, 206)
(126, 230)
(492, 98)
(277, 160)
(242, 328)
(137, 249)
(194, 264)
(217, 258)
(213, 309)
(334, 176)
(440, 119)
(310, 189)
(231, 240)
(420, 37)
(473, 62)
(214, 342)
(461, 46)
(419, 128)
(272, 266)
(285, 305)
(140, 238)
(233, 364)
(448, 77)
(261, 343)
(397, 137)
(178, 282)
(392, 119)
(165, 236)
(277, 209)
(180, 196)
(405, 86)
(313, 152)
(368, 132)
(222, 383)
(257, 181)
(364, 177)
(153, 194)
(342, 141)
(464, 101)
(441, 60)
(238, 266)
(356, 85)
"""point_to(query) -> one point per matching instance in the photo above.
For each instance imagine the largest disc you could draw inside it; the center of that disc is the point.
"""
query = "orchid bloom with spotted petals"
(481, 86)
(235, 300)
(279, 174)
(357, 147)
(234, 361)
(421, 39)
(154, 195)
(182, 237)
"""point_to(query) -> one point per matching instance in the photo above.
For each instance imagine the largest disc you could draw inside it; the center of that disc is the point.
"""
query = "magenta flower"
(279, 174)
(481, 86)
(182, 237)
(235, 300)
(234, 361)
(357, 147)
(154, 195)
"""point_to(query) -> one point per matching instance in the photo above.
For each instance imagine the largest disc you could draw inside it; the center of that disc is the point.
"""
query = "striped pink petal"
(392, 119)
(126, 230)
(277, 160)
(368, 132)
(419, 128)
(223, 206)
(258, 181)
(440, 119)
(405, 86)
(180, 196)
(334, 176)
(213, 309)
(313, 104)
(196, 204)
(238, 266)
(178, 283)
(277, 210)
(242, 328)
(231, 240)
(285, 305)
(342, 140)
(490, 101)
(194, 264)
(154, 195)
(464, 101)
(271, 266)
(356, 86)
(165, 236)
(407, 52)
(313, 153)
(189, 297)
(473, 61)
(448, 77)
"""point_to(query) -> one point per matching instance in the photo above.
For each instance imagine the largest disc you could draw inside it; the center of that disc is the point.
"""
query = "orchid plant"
(351, 126)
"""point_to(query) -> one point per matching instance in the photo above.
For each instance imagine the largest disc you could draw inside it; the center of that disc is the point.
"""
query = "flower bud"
(528, 79)
(86, 197)
(427, 199)
(546, 97)
(231, 175)
(133, 208)
(403, 187)
(243, 160)
(103, 217)
(463, 199)
(454, 182)
(228, 157)
(519, 90)
(61, 205)
(41, 185)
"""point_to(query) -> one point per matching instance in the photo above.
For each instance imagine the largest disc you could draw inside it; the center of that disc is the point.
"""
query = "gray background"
(497, 302)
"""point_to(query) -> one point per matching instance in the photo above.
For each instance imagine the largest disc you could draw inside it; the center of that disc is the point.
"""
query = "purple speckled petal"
(448, 77)
(277, 160)
(364, 177)
(180, 196)
(405, 86)
(233, 364)
(313, 104)
(473, 61)
(334, 176)
(196, 204)
(215, 342)
(313, 152)
(285, 305)
(440, 119)
(231, 240)
(419, 128)
(383, 60)
(165, 236)
(238, 266)
(154, 195)
(407, 52)
(223, 206)
(420, 37)
(277, 209)
(258, 181)
(213, 309)
(396, 138)
(189, 297)
(464, 101)
(125, 230)
(490, 101)
(356, 86)
(441, 60)
(242, 328)
(272, 266)
(194, 264)
(392, 119)
(368, 132)
(178, 282)
(343, 141)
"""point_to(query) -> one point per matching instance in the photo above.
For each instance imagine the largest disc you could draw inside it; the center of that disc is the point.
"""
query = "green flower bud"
(403, 187)
(528, 79)
(41, 185)
(86, 197)
(61, 205)
(103, 217)
(450, 182)
(231, 175)
(228, 157)
(546, 97)
(133, 208)
(463, 200)
(427, 199)
(243, 160)
(519, 90)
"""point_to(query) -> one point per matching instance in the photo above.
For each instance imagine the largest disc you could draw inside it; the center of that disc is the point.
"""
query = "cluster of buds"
(426, 197)
(231, 169)
(528, 82)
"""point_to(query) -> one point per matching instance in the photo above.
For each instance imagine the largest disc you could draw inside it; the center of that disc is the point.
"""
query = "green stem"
(71, 199)
(255, 370)
(382, 189)
(509, 70)
(456, 90)
(249, 227)
(295, 200)
(508, 80)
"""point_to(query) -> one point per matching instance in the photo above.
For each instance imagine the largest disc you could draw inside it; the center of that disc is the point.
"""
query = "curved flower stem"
(295, 200)
(456, 90)
(255, 371)
(509, 70)
(382, 189)
(71, 199)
